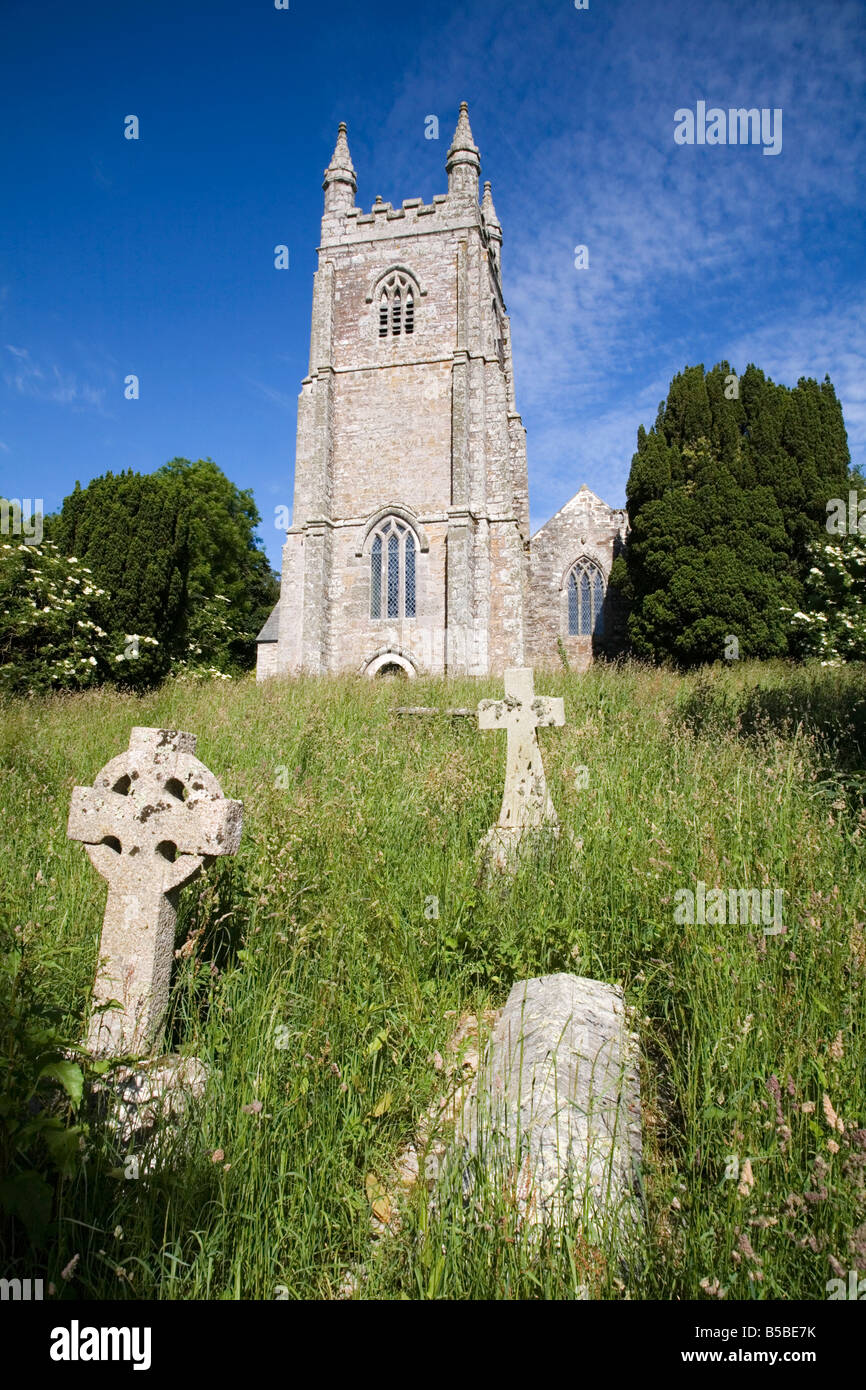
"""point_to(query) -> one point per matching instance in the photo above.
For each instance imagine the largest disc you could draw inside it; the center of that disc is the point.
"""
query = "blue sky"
(155, 256)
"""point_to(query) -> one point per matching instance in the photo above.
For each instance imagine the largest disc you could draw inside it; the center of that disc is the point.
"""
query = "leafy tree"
(726, 495)
(132, 530)
(178, 553)
(228, 568)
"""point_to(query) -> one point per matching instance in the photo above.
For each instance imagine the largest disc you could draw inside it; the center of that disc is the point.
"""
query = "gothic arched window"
(396, 306)
(392, 570)
(585, 599)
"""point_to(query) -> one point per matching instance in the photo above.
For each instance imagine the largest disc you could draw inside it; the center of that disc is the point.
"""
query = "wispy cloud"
(695, 254)
(51, 383)
(270, 393)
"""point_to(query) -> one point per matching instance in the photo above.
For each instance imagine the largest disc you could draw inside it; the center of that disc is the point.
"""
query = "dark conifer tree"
(132, 531)
(726, 492)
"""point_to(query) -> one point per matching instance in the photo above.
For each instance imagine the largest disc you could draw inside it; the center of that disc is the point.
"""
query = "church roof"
(583, 500)
(583, 496)
(271, 630)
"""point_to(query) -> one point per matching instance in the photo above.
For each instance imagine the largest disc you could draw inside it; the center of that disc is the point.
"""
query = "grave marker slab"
(555, 1111)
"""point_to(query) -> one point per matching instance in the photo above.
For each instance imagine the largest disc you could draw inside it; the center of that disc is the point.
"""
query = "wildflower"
(713, 1288)
(217, 1156)
(836, 1050)
(745, 1245)
(69, 1270)
(253, 1108)
(830, 1115)
(857, 1246)
(747, 1179)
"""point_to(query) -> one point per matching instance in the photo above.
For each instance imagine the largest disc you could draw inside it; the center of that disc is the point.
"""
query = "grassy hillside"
(312, 980)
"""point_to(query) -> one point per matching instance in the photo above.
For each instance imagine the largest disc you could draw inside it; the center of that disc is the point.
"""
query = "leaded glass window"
(376, 579)
(410, 576)
(392, 571)
(393, 576)
(586, 600)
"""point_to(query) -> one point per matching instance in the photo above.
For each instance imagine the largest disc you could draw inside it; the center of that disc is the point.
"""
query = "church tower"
(409, 539)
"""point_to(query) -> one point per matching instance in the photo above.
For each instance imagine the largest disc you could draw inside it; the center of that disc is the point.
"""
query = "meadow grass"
(311, 979)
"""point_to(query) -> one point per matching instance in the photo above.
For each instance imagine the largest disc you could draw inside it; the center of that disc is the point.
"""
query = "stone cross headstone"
(554, 1113)
(527, 809)
(154, 817)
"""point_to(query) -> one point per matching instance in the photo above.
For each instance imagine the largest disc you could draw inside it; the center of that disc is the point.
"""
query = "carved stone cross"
(526, 802)
(154, 817)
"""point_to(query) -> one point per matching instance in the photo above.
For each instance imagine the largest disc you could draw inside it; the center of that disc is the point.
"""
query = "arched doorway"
(390, 665)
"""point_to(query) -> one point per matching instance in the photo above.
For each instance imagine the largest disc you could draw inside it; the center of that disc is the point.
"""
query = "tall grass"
(311, 980)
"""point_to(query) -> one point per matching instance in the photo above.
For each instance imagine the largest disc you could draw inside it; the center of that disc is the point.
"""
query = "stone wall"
(266, 660)
(585, 526)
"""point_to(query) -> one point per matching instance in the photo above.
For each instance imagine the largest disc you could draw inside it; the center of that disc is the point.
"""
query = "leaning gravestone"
(153, 819)
(527, 816)
(554, 1115)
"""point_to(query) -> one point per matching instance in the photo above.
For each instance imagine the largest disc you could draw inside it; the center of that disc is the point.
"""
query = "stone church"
(409, 548)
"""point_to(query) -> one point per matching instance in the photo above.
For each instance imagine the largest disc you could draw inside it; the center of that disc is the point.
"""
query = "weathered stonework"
(411, 415)
(527, 817)
(153, 819)
(585, 528)
(554, 1113)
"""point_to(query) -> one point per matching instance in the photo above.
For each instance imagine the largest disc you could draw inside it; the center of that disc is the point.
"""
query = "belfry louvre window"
(585, 600)
(396, 306)
(392, 571)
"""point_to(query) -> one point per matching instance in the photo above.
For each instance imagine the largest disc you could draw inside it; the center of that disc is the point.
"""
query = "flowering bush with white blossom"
(832, 623)
(50, 633)
(210, 636)
(53, 621)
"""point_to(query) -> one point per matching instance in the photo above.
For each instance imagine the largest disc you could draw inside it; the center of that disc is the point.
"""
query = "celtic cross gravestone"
(153, 819)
